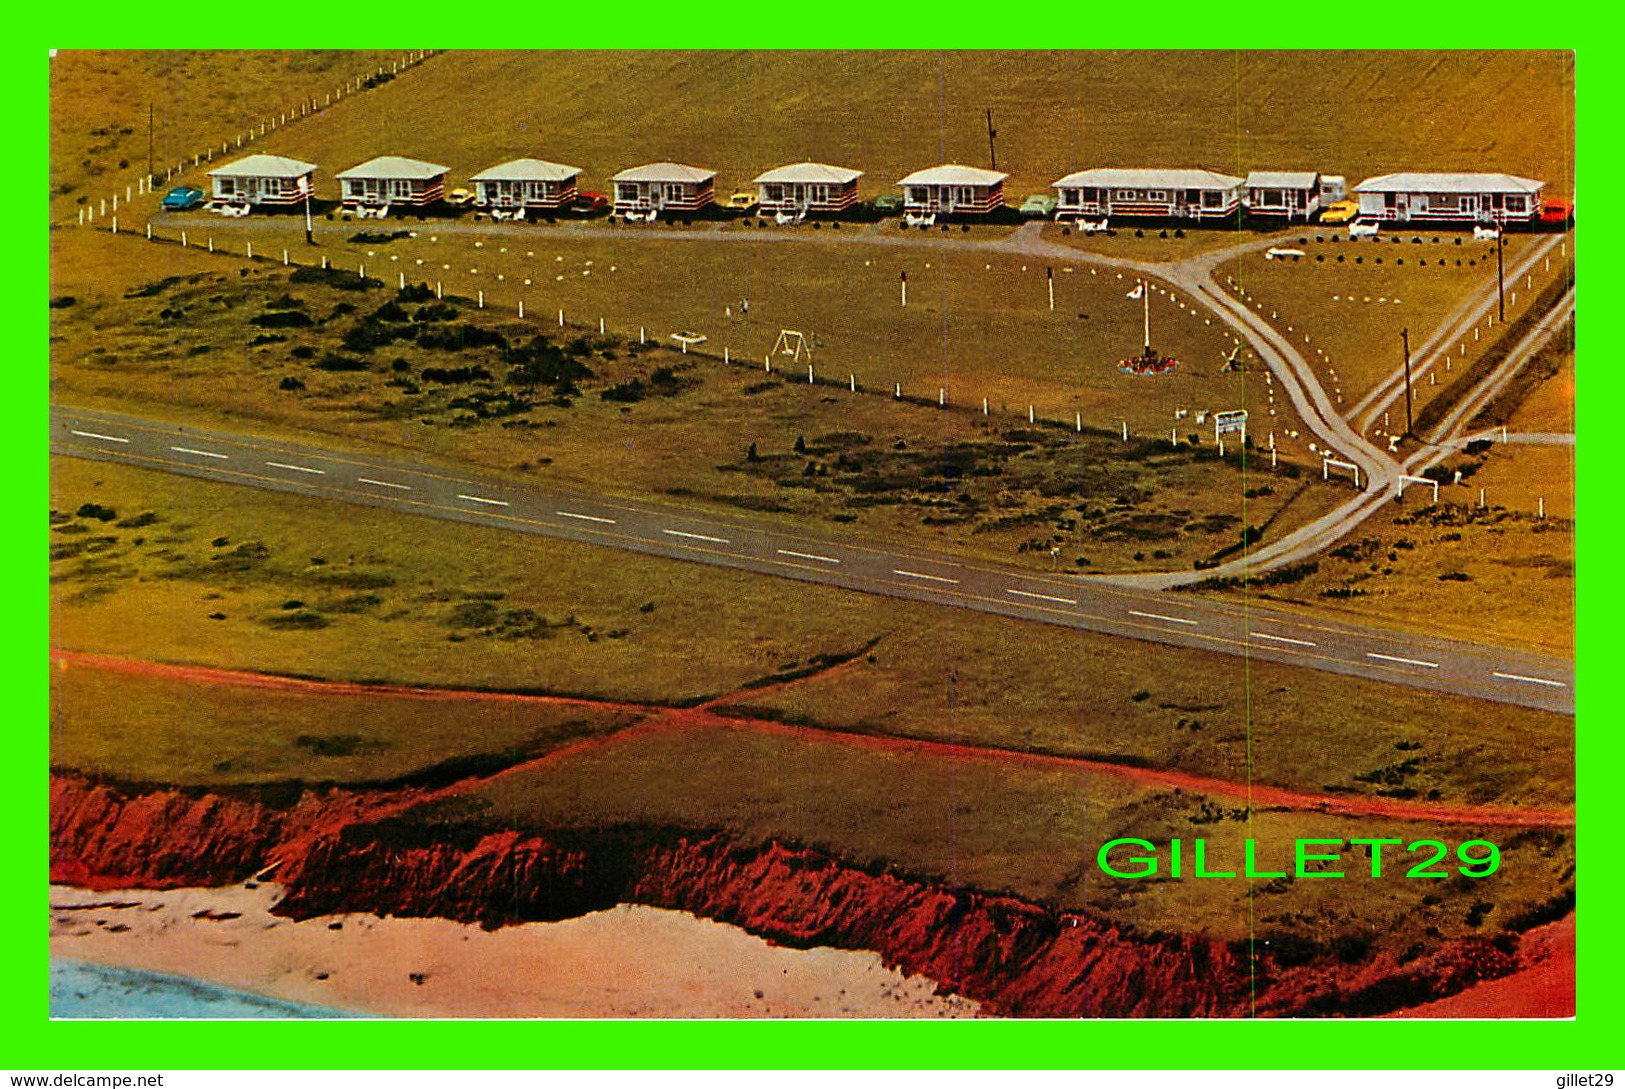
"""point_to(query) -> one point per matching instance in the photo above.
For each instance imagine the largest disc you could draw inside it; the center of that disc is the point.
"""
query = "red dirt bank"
(340, 851)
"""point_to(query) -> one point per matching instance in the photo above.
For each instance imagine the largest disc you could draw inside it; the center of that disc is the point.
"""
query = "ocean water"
(81, 990)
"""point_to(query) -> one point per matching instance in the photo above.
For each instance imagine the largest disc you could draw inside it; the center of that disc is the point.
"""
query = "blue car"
(182, 198)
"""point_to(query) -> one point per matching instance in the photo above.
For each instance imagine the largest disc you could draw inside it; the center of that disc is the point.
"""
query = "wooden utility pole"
(149, 145)
(1500, 273)
(1405, 340)
(992, 153)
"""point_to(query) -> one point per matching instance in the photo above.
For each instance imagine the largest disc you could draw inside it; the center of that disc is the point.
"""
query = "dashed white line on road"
(1402, 661)
(1043, 597)
(928, 578)
(382, 483)
(696, 536)
(1281, 639)
(1159, 616)
(103, 438)
(482, 499)
(584, 517)
(807, 556)
(198, 453)
(296, 468)
(1528, 680)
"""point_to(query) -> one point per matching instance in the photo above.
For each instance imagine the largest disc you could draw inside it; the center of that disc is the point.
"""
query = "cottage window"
(1444, 202)
(1268, 198)
(1156, 194)
(1212, 198)
(1069, 197)
(1125, 194)
(918, 194)
(626, 192)
(226, 186)
(1516, 204)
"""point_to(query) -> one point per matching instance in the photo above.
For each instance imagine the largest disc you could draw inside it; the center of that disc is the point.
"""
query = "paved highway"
(1093, 604)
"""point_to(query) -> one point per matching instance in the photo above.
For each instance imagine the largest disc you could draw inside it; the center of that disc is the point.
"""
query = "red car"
(1557, 214)
(589, 204)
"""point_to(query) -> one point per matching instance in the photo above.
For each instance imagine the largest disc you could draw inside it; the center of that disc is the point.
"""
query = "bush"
(459, 337)
(62, 302)
(435, 312)
(282, 319)
(98, 512)
(342, 279)
(291, 383)
(304, 351)
(448, 376)
(415, 293)
(285, 302)
(378, 238)
(625, 392)
(332, 361)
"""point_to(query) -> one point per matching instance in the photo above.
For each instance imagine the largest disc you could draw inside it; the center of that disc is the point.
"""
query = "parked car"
(1364, 228)
(888, 202)
(1340, 211)
(459, 197)
(589, 203)
(182, 198)
(1558, 214)
(1039, 206)
(743, 201)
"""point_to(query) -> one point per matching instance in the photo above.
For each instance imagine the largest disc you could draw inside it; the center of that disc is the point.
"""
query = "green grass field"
(192, 344)
(1001, 828)
(224, 576)
(889, 113)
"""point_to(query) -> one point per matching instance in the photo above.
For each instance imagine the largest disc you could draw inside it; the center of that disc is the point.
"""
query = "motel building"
(262, 179)
(391, 181)
(807, 187)
(1283, 194)
(526, 183)
(664, 187)
(1450, 198)
(1154, 194)
(953, 190)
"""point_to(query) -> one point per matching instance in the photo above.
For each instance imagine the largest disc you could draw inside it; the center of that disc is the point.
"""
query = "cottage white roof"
(265, 166)
(1448, 183)
(810, 172)
(1149, 178)
(664, 172)
(528, 170)
(1282, 179)
(953, 174)
(394, 166)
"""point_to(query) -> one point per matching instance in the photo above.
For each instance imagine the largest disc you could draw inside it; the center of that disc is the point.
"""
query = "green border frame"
(1592, 1039)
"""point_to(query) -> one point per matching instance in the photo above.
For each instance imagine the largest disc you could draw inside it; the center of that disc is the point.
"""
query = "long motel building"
(807, 187)
(391, 180)
(262, 179)
(951, 189)
(1109, 192)
(1450, 198)
(1283, 194)
(526, 183)
(664, 187)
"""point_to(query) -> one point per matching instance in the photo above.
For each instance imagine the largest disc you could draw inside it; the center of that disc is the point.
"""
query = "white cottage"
(807, 187)
(951, 189)
(666, 187)
(1149, 193)
(262, 179)
(1283, 194)
(1450, 198)
(526, 183)
(391, 180)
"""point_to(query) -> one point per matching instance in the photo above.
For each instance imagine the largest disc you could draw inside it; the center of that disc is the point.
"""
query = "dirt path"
(713, 715)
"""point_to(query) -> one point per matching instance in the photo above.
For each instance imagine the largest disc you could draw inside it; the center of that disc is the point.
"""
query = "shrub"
(457, 338)
(62, 302)
(304, 351)
(285, 302)
(332, 361)
(343, 279)
(291, 383)
(282, 319)
(625, 392)
(435, 312)
(448, 376)
(98, 512)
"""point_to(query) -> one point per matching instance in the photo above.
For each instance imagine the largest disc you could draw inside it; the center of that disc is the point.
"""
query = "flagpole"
(1145, 296)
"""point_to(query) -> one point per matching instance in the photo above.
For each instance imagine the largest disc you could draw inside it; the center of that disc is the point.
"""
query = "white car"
(1276, 253)
(1363, 228)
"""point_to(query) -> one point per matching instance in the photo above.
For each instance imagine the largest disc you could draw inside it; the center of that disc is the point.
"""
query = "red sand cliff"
(337, 851)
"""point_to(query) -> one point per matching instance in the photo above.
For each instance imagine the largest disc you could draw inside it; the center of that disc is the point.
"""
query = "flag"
(1139, 290)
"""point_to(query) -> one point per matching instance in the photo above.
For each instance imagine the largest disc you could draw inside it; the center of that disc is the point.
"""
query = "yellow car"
(1340, 211)
(743, 201)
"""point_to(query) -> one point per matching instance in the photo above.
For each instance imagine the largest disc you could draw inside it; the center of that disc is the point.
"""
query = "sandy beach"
(629, 961)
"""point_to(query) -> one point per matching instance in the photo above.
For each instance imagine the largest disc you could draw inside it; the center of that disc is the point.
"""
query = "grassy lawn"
(200, 573)
(997, 827)
(1346, 317)
(176, 341)
(173, 731)
(888, 113)
(100, 100)
(1549, 404)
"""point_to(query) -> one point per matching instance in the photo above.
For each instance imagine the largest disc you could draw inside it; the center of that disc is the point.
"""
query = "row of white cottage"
(944, 190)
